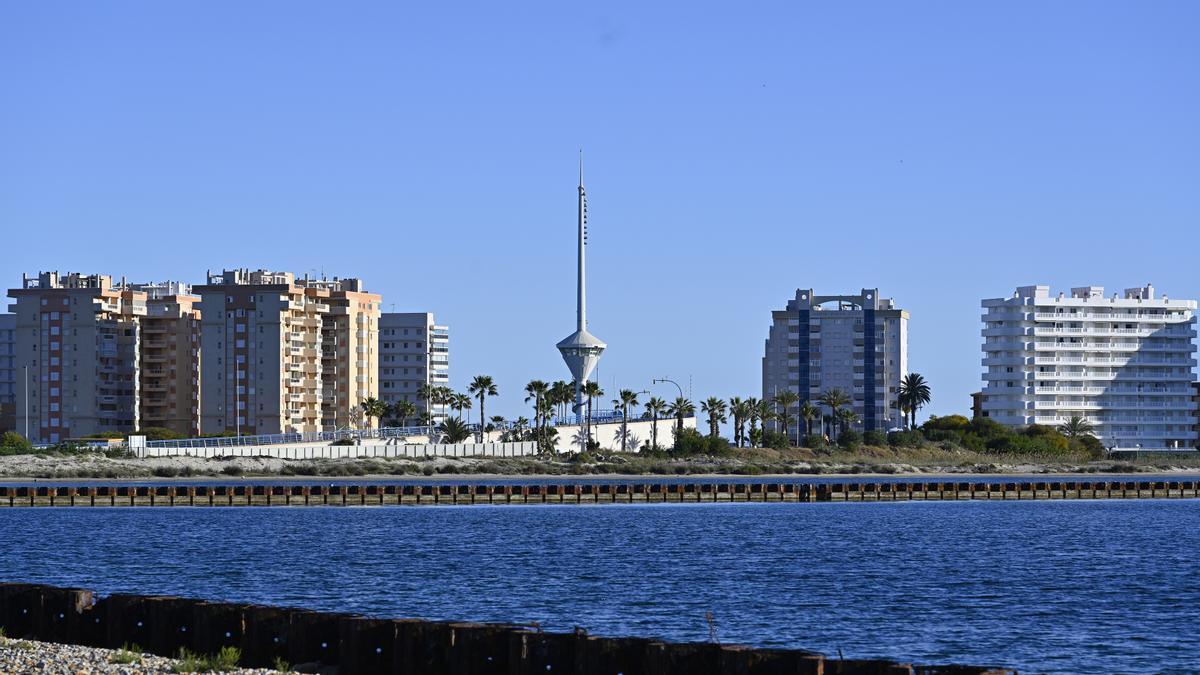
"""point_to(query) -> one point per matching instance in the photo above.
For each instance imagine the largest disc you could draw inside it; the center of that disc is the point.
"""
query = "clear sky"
(943, 152)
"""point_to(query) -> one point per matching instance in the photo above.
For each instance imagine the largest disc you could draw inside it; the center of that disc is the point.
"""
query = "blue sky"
(941, 151)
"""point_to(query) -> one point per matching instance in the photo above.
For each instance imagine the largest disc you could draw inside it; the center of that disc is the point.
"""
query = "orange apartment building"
(281, 354)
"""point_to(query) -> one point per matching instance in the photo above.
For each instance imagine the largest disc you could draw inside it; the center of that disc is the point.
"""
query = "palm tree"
(785, 400)
(561, 393)
(679, 409)
(1076, 427)
(537, 390)
(808, 413)
(765, 412)
(459, 402)
(914, 392)
(715, 408)
(625, 398)
(518, 429)
(427, 393)
(374, 408)
(737, 410)
(454, 431)
(403, 411)
(752, 418)
(654, 408)
(482, 387)
(834, 399)
(590, 390)
(845, 418)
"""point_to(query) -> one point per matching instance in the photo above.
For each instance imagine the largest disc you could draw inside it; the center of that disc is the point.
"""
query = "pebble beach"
(18, 657)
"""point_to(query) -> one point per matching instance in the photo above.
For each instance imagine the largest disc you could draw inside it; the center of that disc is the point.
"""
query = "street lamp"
(665, 379)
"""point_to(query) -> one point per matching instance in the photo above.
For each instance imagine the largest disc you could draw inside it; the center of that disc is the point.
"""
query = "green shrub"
(692, 442)
(850, 440)
(232, 470)
(905, 439)
(159, 434)
(947, 423)
(774, 439)
(1089, 445)
(12, 443)
(876, 439)
(166, 471)
(814, 441)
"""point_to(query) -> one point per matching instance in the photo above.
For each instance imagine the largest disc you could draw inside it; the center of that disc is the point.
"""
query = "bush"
(905, 439)
(12, 443)
(775, 439)
(343, 441)
(814, 441)
(947, 423)
(1089, 445)
(691, 442)
(850, 440)
(159, 434)
(233, 470)
(876, 439)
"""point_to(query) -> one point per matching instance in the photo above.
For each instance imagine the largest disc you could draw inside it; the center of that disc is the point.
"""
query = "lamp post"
(664, 379)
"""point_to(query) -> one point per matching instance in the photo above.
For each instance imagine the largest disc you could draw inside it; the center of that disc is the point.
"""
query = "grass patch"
(128, 654)
(221, 662)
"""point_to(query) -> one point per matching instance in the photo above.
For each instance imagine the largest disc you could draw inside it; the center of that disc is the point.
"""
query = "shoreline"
(748, 466)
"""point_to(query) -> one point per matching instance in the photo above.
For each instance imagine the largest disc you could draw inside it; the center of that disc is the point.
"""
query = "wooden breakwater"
(585, 493)
(359, 645)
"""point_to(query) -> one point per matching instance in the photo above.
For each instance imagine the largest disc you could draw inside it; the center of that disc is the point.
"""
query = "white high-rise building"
(413, 351)
(1124, 363)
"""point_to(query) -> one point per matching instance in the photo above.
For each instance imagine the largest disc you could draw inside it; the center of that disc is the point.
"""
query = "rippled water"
(1106, 586)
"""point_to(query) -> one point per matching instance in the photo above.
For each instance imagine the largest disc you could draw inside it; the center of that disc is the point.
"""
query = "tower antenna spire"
(581, 350)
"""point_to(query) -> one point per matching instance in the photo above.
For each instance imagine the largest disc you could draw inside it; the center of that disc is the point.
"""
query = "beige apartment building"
(267, 366)
(76, 356)
(349, 352)
(170, 358)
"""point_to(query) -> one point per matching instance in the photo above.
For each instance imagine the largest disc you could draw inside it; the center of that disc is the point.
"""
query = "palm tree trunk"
(624, 428)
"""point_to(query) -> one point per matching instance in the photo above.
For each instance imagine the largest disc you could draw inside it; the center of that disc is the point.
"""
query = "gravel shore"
(28, 656)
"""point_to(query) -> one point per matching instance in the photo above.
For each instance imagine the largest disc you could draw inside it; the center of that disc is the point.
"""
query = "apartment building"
(282, 354)
(8, 374)
(349, 352)
(413, 351)
(855, 343)
(79, 338)
(1122, 362)
(170, 358)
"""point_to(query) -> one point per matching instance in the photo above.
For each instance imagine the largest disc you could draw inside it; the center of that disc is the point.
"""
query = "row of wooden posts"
(360, 645)
(620, 493)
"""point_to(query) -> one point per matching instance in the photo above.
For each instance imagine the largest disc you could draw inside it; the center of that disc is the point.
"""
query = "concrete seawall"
(591, 493)
(359, 645)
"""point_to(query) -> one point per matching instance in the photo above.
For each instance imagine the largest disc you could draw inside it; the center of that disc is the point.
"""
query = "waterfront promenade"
(584, 493)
